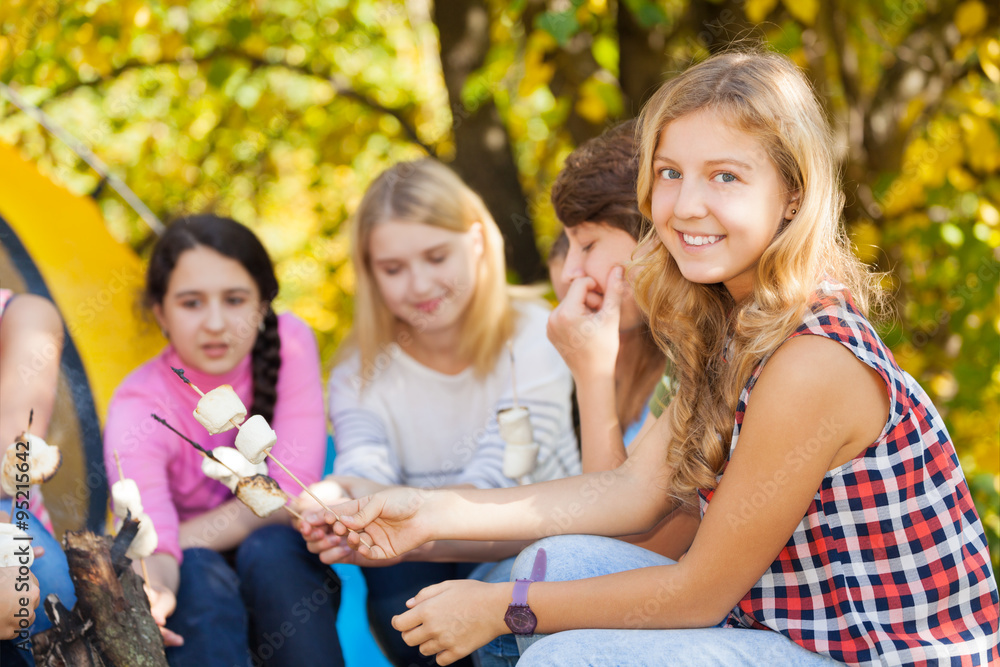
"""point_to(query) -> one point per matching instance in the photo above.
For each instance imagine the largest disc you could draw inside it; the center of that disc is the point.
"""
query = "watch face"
(520, 620)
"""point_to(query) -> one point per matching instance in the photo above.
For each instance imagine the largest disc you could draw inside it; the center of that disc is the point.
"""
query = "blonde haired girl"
(836, 522)
(415, 396)
(428, 193)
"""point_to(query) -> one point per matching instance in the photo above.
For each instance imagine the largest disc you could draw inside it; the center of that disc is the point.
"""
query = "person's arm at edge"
(31, 329)
(811, 383)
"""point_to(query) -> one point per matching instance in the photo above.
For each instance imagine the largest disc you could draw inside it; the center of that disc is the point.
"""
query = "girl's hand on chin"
(454, 618)
(587, 340)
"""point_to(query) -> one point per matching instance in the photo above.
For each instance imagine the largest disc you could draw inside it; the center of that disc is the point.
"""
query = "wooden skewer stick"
(209, 455)
(145, 572)
(118, 462)
(204, 452)
(513, 379)
(180, 374)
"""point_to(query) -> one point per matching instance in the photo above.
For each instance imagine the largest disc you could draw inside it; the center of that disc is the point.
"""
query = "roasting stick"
(209, 455)
(180, 374)
(121, 475)
(513, 379)
(513, 389)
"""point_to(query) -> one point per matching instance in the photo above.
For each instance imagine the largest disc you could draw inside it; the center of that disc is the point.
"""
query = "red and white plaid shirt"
(890, 563)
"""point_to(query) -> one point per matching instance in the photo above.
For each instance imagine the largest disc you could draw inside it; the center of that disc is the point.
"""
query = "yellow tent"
(55, 244)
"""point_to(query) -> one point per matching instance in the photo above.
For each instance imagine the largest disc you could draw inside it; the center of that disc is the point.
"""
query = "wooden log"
(65, 644)
(111, 625)
(123, 630)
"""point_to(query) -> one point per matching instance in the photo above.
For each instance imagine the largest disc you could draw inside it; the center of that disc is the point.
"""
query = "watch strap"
(520, 596)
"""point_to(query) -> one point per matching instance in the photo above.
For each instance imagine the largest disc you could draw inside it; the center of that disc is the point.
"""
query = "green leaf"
(561, 25)
(240, 28)
(218, 72)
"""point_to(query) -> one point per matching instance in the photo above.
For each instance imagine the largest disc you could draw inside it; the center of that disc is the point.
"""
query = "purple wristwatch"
(519, 617)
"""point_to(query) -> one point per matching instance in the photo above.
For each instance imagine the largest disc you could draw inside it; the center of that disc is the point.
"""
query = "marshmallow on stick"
(520, 450)
(15, 546)
(255, 439)
(229, 466)
(261, 494)
(210, 455)
(145, 541)
(125, 497)
(42, 458)
(128, 503)
(220, 409)
(259, 441)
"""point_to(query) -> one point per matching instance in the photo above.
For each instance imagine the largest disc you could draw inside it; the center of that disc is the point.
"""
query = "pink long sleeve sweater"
(167, 470)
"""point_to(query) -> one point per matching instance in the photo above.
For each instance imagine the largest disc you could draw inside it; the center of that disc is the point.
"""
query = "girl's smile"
(717, 201)
(426, 275)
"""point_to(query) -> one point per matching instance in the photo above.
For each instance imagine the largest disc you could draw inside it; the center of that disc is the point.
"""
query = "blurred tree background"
(280, 112)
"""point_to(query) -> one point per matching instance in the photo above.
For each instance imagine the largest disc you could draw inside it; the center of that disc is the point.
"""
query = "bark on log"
(111, 625)
(125, 632)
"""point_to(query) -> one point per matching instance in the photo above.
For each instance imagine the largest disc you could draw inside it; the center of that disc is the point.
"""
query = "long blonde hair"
(765, 95)
(429, 193)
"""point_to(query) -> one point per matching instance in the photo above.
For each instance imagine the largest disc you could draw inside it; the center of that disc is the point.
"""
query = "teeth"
(701, 240)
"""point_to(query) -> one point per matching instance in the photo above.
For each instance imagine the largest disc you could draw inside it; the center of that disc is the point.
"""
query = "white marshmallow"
(234, 460)
(519, 460)
(219, 408)
(515, 426)
(13, 551)
(145, 541)
(43, 461)
(261, 494)
(255, 439)
(125, 497)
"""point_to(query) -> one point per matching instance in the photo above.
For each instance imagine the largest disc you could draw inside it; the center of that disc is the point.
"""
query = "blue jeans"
(210, 615)
(502, 651)
(388, 590)
(51, 570)
(292, 599)
(277, 607)
(12, 656)
(571, 557)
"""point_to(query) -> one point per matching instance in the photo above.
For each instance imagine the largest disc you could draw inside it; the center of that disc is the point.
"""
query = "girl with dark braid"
(220, 574)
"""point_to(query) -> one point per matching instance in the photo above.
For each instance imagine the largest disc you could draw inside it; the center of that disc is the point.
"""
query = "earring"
(260, 326)
(794, 211)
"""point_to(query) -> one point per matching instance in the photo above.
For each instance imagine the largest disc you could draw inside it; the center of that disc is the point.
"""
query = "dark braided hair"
(230, 238)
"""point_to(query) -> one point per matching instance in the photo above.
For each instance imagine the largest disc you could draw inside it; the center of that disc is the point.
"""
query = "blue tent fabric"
(360, 649)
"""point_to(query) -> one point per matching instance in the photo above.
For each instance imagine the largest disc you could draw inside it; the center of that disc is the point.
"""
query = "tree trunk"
(483, 155)
(640, 60)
